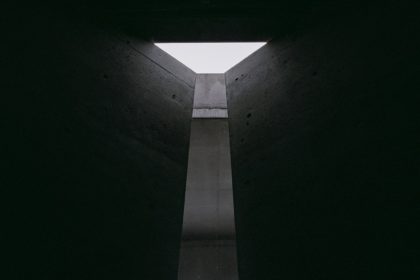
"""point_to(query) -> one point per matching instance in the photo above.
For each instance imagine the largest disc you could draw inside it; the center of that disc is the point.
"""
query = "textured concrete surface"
(210, 96)
(208, 247)
(210, 113)
(159, 57)
(324, 158)
(210, 91)
(324, 136)
(99, 156)
(208, 212)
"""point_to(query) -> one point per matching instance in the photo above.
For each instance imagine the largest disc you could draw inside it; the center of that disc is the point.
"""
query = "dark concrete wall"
(97, 131)
(322, 134)
(325, 153)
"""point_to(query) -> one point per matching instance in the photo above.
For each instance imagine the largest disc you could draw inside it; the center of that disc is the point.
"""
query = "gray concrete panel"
(210, 92)
(208, 210)
(209, 155)
(210, 113)
(208, 247)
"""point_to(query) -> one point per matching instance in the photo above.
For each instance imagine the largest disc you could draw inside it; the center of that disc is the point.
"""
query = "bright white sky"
(208, 58)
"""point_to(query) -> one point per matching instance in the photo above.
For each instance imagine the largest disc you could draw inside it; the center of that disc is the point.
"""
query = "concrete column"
(208, 248)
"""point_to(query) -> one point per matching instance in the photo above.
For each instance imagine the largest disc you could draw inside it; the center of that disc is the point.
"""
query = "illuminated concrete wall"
(208, 248)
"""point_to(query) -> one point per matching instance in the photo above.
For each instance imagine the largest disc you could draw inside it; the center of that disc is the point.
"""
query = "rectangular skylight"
(210, 58)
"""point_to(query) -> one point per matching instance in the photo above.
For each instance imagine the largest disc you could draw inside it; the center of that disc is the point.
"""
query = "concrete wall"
(208, 247)
(324, 159)
(325, 147)
(97, 145)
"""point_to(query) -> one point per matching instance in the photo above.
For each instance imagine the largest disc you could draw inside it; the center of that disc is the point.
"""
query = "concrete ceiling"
(209, 20)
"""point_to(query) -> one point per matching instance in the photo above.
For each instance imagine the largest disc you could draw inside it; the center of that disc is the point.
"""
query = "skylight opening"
(210, 58)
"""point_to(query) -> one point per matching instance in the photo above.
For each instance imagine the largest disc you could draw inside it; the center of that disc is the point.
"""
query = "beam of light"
(210, 58)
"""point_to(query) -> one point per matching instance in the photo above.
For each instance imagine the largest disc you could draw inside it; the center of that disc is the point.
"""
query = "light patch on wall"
(210, 58)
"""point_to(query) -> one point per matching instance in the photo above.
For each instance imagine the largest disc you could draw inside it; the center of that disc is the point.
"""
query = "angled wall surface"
(99, 127)
(324, 158)
(323, 136)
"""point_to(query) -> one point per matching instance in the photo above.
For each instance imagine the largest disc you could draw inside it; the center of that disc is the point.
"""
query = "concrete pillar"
(208, 248)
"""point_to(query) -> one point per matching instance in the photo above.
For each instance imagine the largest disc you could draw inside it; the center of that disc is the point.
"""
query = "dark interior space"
(324, 138)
